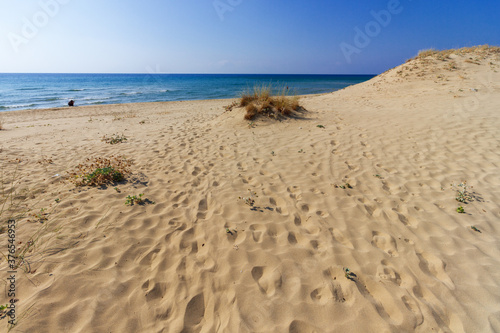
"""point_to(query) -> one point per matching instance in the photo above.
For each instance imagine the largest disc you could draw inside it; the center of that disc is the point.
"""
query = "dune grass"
(480, 50)
(260, 101)
(100, 171)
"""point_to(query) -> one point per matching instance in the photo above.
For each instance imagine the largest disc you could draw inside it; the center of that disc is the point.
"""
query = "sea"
(40, 91)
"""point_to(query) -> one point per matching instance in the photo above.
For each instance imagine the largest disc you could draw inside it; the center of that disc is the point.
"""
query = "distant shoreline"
(42, 91)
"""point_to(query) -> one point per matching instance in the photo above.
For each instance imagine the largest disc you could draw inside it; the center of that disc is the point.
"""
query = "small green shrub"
(463, 194)
(114, 139)
(131, 200)
(100, 171)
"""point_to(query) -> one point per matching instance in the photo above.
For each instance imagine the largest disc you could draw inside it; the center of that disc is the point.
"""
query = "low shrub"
(262, 102)
(100, 171)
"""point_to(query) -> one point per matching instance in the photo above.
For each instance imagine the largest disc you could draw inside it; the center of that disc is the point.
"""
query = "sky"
(235, 36)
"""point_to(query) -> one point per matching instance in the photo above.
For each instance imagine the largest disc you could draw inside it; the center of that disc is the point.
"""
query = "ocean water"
(38, 91)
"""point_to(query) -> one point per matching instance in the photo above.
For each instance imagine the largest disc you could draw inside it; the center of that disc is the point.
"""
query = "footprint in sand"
(388, 273)
(202, 209)
(268, 279)
(385, 242)
(257, 231)
(291, 238)
(195, 311)
(297, 220)
(339, 237)
(368, 155)
(299, 326)
(295, 193)
(323, 295)
(413, 307)
(432, 265)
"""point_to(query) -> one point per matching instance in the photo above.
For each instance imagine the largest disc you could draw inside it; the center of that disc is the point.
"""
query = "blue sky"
(234, 36)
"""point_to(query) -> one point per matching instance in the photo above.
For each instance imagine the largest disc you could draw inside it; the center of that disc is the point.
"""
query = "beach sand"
(389, 254)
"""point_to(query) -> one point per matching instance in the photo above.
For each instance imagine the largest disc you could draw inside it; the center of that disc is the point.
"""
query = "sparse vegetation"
(260, 102)
(345, 186)
(114, 139)
(250, 199)
(131, 200)
(350, 275)
(231, 106)
(137, 199)
(1, 126)
(463, 194)
(460, 210)
(100, 171)
(480, 50)
(475, 229)
(451, 66)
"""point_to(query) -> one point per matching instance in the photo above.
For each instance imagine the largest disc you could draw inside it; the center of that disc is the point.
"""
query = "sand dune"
(399, 140)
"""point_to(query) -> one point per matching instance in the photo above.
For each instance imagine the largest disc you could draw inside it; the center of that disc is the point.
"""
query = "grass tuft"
(100, 171)
(480, 50)
(114, 139)
(260, 101)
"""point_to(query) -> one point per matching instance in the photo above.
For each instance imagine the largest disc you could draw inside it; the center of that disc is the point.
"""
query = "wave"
(131, 93)
(51, 99)
(77, 90)
(94, 98)
(17, 106)
(24, 89)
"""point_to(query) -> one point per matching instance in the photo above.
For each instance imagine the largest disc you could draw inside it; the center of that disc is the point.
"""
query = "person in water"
(71, 103)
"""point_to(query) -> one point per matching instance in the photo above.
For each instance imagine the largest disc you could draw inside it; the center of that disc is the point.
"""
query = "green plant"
(230, 106)
(114, 139)
(301, 151)
(41, 216)
(131, 200)
(137, 199)
(463, 194)
(349, 274)
(100, 171)
(460, 210)
(320, 126)
(475, 229)
(250, 199)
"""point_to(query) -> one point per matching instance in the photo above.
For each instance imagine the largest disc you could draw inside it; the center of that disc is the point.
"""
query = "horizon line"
(166, 73)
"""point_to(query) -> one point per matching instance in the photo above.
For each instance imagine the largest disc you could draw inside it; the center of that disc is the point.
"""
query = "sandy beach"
(353, 228)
